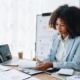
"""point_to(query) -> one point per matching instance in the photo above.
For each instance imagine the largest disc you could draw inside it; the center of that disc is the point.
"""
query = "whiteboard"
(43, 35)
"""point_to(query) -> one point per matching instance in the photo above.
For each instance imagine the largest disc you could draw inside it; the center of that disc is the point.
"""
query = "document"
(13, 75)
(75, 77)
(3, 68)
(27, 63)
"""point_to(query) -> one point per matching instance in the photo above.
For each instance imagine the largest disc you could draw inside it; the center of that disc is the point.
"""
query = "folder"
(33, 71)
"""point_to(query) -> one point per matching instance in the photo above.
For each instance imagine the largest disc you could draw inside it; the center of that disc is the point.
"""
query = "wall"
(51, 5)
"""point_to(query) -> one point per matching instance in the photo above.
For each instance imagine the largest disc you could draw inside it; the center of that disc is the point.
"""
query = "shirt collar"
(66, 39)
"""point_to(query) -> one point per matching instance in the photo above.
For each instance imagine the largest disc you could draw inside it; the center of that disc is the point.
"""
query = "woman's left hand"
(44, 66)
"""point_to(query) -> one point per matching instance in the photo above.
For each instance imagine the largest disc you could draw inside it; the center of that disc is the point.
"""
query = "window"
(18, 25)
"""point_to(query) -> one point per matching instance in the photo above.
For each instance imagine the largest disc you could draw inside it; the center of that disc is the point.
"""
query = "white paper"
(73, 78)
(2, 78)
(3, 68)
(13, 75)
(33, 78)
(27, 63)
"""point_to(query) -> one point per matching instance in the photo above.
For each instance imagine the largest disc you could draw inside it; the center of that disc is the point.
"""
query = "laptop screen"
(5, 53)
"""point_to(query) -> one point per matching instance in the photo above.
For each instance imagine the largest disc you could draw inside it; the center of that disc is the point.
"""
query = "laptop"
(6, 56)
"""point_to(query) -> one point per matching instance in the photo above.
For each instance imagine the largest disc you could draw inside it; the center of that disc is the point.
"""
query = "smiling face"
(61, 27)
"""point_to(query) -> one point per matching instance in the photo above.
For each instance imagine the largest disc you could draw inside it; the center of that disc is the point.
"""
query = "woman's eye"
(56, 24)
(62, 25)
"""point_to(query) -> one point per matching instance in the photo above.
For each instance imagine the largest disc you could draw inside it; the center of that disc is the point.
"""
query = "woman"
(65, 51)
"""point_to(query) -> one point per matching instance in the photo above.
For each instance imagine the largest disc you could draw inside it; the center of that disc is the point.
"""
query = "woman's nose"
(59, 27)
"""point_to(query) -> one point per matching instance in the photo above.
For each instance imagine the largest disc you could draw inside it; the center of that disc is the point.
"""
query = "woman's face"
(61, 26)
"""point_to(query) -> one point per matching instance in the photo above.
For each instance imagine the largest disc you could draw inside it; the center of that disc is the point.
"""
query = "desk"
(44, 76)
(41, 76)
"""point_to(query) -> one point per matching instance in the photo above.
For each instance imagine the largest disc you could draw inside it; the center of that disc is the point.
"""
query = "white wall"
(51, 5)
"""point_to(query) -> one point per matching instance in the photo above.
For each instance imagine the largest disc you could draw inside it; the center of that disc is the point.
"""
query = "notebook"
(6, 56)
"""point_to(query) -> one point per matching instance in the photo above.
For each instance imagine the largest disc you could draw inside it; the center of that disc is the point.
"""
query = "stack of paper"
(73, 78)
(3, 68)
(13, 75)
(27, 63)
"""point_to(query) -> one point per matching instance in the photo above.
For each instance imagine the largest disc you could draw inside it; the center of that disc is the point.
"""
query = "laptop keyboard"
(11, 62)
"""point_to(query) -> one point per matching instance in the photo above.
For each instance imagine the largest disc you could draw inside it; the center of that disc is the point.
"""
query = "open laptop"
(6, 56)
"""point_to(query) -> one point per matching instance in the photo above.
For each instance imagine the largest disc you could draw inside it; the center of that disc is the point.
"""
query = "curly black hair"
(71, 17)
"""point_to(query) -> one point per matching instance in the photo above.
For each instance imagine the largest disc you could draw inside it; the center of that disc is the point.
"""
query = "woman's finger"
(34, 59)
(39, 61)
(39, 68)
(40, 64)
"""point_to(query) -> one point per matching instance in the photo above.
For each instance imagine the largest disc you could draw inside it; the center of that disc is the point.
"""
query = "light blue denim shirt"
(72, 58)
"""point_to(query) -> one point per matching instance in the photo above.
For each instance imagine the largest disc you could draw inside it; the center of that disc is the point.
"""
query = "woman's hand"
(38, 61)
(45, 65)
(34, 59)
